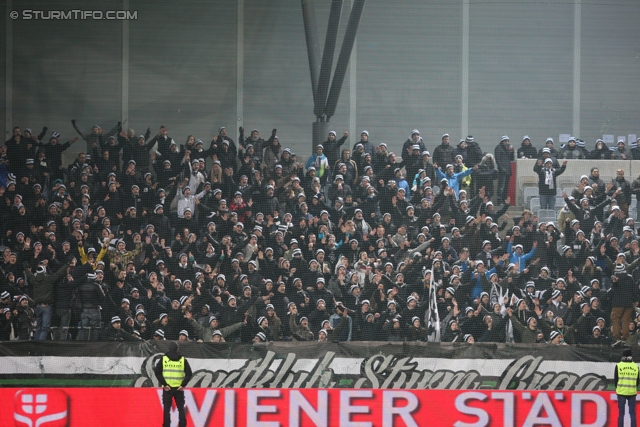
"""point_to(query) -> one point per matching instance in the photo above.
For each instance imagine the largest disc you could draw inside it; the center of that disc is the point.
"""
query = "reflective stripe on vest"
(627, 379)
(173, 371)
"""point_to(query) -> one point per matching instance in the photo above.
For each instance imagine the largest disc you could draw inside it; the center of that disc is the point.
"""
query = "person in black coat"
(224, 135)
(53, 152)
(474, 152)
(547, 187)
(600, 152)
(64, 297)
(6, 321)
(526, 150)
(164, 142)
(92, 298)
(366, 144)
(413, 163)
(43, 287)
(584, 324)
(444, 154)
(623, 188)
(332, 146)
(140, 151)
(461, 150)
(586, 214)
(494, 333)
(114, 332)
(622, 305)
(407, 147)
(486, 174)
(255, 140)
(26, 317)
(19, 149)
(504, 156)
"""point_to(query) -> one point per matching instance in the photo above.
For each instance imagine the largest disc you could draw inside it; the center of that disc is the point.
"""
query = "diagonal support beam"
(327, 57)
(313, 44)
(343, 59)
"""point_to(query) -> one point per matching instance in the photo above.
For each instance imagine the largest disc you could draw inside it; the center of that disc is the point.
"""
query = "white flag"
(433, 317)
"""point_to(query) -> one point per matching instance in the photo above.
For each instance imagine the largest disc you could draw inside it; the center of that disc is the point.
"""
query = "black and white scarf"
(548, 179)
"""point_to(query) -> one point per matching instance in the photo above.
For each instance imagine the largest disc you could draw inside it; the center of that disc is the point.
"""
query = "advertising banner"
(96, 407)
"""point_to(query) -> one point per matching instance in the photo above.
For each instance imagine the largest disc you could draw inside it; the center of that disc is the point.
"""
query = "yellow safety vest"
(173, 371)
(627, 379)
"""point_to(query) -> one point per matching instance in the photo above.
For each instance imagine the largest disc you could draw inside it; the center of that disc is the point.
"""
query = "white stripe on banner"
(54, 365)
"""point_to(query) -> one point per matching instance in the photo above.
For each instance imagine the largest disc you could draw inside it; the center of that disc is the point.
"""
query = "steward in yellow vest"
(626, 380)
(173, 373)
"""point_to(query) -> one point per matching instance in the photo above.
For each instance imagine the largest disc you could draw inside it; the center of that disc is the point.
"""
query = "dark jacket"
(53, 152)
(504, 157)
(587, 217)
(112, 334)
(368, 147)
(91, 295)
(527, 152)
(5, 328)
(443, 155)
(43, 283)
(140, 153)
(407, 147)
(474, 153)
(624, 291)
(164, 145)
(332, 149)
(64, 291)
(485, 175)
(600, 154)
(26, 320)
(542, 186)
(625, 190)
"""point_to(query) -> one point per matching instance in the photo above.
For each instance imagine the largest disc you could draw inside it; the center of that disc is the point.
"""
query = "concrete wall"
(539, 68)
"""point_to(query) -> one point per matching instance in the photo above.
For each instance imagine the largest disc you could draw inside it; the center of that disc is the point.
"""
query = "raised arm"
(77, 129)
(60, 273)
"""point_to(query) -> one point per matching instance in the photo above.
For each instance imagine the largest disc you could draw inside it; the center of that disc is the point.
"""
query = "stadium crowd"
(138, 239)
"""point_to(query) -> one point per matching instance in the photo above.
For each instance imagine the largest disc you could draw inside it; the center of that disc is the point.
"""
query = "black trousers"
(167, 398)
(503, 187)
(623, 401)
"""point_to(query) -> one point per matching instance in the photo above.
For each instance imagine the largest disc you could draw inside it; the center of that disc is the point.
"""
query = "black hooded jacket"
(173, 354)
